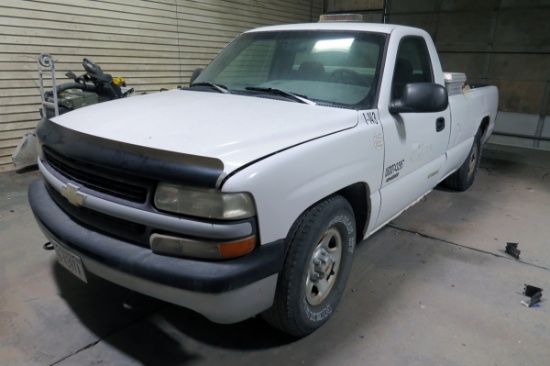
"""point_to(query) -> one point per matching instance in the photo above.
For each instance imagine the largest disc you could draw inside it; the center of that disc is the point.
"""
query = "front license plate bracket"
(70, 261)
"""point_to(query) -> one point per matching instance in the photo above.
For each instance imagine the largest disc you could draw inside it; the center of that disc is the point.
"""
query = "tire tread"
(280, 315)
(459, 180)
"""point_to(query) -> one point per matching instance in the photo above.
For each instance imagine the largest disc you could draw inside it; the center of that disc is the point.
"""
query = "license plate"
(70, 261)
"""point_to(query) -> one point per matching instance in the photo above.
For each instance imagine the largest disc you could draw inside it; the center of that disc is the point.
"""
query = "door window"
(413, 65)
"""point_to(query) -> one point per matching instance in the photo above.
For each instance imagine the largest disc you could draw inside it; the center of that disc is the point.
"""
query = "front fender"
(286, 184)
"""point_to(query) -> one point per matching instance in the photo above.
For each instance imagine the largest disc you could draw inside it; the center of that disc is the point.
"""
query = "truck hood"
(234, 129)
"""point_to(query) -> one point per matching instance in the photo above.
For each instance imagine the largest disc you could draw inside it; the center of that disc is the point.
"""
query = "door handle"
(440, 124)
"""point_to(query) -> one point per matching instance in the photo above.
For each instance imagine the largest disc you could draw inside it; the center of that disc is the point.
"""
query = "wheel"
(346, 76)
(319, 255)
(464, 177)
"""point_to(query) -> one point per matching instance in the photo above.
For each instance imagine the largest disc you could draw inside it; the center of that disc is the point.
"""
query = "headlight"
(207, 203)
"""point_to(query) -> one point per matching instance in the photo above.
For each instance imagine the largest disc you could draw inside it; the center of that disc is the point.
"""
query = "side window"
(413, 65)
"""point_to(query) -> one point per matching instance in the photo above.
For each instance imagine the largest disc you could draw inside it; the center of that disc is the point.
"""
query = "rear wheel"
(318, 261)
(464, 177)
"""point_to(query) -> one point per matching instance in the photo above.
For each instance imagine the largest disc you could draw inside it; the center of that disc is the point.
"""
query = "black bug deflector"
(138, 160)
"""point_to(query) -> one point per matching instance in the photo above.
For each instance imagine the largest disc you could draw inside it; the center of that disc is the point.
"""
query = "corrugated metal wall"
(152, 43)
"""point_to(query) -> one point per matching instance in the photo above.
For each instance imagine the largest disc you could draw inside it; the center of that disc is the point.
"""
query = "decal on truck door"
(392, 171)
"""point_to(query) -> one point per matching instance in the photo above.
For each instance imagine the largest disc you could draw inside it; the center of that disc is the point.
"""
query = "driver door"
(415, 143)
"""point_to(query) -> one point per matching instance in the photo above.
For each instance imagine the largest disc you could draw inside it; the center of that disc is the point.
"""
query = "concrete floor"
(433, 288)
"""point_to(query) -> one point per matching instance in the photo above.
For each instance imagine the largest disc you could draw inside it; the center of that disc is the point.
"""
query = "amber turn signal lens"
(237, 249)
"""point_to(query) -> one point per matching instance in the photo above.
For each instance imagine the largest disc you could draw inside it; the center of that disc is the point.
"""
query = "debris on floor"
(512, 249)
(26, 153)
(535, 293)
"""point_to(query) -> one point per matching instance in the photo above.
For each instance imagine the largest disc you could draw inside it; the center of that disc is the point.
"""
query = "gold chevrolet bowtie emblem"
(71, 193)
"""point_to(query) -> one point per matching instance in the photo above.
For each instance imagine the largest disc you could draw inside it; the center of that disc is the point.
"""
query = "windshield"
(338, 68)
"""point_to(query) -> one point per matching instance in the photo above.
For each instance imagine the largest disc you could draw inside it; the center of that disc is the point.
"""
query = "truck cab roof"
(344, 26)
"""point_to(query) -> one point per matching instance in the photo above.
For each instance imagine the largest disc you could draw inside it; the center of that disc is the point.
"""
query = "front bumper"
(224, 292)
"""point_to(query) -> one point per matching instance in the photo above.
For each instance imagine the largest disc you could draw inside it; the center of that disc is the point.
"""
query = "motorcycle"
(94, 86)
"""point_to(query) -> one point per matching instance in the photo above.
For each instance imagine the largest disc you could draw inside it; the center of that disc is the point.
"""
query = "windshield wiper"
(221, 88)
(296, 97)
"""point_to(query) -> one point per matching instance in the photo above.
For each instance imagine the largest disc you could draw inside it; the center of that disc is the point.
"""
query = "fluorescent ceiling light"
(342, 44)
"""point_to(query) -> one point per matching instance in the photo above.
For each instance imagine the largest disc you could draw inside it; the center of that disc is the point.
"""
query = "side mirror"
(195, 75)
(421, 98)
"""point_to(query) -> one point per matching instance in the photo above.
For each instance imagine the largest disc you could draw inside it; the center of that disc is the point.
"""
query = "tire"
(464, 177)
(319, 256)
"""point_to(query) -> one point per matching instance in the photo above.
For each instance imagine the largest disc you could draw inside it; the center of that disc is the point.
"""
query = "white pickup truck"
(246, 192)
